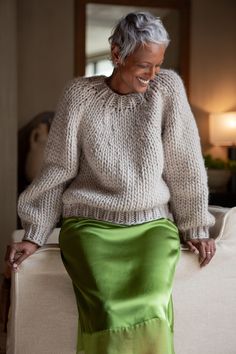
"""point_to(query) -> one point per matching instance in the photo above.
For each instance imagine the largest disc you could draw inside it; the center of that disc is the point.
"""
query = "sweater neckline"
(112, 98)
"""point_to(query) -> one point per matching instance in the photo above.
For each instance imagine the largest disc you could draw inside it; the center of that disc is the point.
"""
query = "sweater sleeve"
(184, 170)
(40, 205)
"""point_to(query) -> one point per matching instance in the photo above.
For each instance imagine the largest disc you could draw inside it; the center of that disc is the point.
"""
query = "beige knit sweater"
(126, 159)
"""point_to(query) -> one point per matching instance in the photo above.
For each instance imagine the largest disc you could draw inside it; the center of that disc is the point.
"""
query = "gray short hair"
(138, 28)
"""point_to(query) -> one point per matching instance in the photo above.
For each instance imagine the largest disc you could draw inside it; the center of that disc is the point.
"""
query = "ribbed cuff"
(36, 234)
(201, 232)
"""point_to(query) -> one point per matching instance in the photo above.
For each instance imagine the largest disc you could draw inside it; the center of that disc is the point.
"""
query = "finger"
(207, 259)
(14, 267)
(192, 248)
(214, 247)
(209, 247)
(13, 262)
(202, 252)
(17, 256)
(20, 259)
(12, 255)
(210, 252)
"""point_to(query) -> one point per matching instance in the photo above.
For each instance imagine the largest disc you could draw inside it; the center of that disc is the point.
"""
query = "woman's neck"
(115, 83)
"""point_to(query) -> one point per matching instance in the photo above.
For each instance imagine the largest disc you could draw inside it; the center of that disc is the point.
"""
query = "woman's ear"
(115, 54)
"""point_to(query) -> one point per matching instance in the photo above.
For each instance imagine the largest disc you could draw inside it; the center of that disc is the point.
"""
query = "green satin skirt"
(122, 277)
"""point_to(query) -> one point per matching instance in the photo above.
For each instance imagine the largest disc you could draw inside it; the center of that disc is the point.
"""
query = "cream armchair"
(43, 313)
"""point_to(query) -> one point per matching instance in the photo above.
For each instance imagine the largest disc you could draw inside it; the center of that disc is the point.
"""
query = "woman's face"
(136, 71)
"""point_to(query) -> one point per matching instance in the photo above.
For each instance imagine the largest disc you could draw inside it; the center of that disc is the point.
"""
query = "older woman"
(124, 167)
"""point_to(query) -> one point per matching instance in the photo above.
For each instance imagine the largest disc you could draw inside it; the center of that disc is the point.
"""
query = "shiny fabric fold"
(122, 277)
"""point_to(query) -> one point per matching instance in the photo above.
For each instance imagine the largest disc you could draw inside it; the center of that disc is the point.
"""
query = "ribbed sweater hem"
(118, 217)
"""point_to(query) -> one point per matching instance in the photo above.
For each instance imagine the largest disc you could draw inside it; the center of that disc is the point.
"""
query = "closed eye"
(143, 66)
(146, 66)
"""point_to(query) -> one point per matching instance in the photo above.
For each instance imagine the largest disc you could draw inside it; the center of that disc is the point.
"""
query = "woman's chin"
(142, 89)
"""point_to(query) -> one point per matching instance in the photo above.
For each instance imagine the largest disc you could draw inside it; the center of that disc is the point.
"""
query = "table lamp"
(223, 131)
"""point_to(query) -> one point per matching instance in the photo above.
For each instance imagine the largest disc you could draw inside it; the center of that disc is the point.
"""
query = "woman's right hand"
(17, 252)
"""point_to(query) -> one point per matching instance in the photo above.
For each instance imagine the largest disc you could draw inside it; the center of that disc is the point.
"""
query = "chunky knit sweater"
(125, 159)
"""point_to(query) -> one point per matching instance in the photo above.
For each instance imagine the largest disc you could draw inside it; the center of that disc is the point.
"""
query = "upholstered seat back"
(43, 316)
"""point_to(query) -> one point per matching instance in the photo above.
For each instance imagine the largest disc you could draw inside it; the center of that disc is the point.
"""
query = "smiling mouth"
(144, 82)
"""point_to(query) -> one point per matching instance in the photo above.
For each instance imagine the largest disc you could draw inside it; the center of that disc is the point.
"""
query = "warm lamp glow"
(223, 129)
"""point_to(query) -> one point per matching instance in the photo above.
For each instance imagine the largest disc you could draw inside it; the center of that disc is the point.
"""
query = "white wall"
(213, 53)
(45, 54)
(8, 122)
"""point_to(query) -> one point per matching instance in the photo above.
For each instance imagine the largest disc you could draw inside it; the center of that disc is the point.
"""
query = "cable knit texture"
(126, 159)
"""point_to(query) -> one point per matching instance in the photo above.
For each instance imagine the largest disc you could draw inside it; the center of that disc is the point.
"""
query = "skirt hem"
(124, 328)
(152, 336)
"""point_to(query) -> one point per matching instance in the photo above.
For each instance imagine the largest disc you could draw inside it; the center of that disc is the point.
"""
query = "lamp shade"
(223, 129)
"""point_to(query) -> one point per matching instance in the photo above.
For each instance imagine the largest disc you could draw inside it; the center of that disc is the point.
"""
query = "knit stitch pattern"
(125, 159)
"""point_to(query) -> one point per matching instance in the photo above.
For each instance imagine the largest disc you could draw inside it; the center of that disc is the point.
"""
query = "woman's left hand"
(205, 248)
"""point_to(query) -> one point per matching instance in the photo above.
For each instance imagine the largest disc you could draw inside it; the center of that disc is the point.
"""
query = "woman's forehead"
(151, 51)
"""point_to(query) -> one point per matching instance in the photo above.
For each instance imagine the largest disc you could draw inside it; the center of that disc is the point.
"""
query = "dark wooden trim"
(185, 35)
(79, 37)
(227, 199)
(149, 3)
(184, 10)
